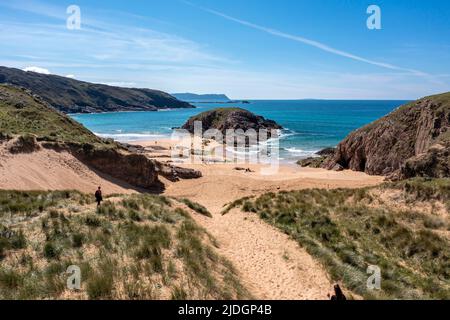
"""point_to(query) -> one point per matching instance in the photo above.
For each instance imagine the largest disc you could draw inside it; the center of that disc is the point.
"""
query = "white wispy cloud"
(101, 39)
(309, 42)
(117, 53)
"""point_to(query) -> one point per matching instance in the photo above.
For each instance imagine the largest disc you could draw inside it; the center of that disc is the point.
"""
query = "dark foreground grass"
(388, 226)
(137, 247)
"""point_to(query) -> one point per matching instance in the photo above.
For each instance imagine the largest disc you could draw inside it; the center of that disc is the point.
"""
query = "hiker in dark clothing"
(98, 196)
(338, 294)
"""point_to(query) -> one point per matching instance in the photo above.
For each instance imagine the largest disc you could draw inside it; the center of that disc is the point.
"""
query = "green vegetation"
(197, 207)
(33, 203)
(404, 228)
(426, 190)
(21, 114)
(216, 116)
(162, 254)
(73, 96)
(235, 204)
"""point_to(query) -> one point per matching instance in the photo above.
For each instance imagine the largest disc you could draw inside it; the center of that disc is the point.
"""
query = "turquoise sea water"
(310, 125)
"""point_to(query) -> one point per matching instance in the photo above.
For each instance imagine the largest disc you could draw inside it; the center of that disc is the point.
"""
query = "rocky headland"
(411, 141)
(73, 96)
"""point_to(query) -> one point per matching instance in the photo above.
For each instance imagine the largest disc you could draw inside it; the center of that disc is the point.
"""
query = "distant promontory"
(192, 97)
(73, 96)
(206, 98)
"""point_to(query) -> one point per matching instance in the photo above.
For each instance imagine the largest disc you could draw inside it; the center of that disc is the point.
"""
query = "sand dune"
(270, 264)
(51, 170)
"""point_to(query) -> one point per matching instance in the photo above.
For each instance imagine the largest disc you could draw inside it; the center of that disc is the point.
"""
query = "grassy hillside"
(73, 96)
(215, 117)
(404, 228)
(22, 114)
(132, 247)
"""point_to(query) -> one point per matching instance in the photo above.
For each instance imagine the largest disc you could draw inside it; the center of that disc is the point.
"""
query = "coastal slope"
(413, 140)
(400, 228)
(31, 131)
(74, 96)
(132, 247)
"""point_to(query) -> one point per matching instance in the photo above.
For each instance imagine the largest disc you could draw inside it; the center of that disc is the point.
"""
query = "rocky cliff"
(73, 96)
(413, 140)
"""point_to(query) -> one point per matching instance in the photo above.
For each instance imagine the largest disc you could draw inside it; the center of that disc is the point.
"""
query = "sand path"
(271, 265)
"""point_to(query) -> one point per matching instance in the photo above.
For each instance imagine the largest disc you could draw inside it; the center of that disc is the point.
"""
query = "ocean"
(310, 125)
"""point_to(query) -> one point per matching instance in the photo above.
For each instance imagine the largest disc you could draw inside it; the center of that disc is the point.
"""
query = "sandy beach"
(272, 265)
(224, 182)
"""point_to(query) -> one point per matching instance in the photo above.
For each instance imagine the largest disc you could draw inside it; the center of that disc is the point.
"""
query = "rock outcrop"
(223, 119)
(413, 140)
(174, 173)
(318, 159)
(135, 169)
(73, 96)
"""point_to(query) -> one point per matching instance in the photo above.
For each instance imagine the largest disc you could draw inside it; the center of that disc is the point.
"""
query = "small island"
(223, 119)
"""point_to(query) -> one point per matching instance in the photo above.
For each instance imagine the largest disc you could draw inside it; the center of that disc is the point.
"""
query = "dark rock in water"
(73, 96)
(413, 140)
(223, 119)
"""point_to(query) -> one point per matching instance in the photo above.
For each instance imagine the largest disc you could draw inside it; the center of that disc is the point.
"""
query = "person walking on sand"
(98, 196)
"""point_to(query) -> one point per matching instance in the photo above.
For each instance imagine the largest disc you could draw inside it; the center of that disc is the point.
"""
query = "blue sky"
(260, 49)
